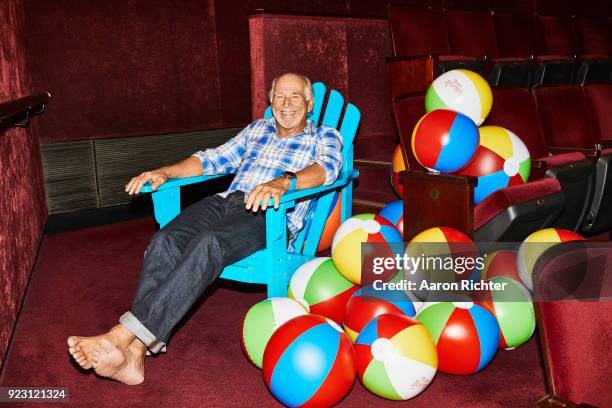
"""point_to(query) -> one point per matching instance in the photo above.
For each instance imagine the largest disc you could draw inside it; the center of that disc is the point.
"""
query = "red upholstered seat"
(516, 35)
(576, 336)
(502, 199)
(565, 117)
(594, 36)
(556, 48)
(567, 123)
(599, 101)
(417, 31)
(471, 33)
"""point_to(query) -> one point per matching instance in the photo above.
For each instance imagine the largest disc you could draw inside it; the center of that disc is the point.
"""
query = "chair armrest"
(298, 194)
(587, 152)
(177, 182)
(603, 143)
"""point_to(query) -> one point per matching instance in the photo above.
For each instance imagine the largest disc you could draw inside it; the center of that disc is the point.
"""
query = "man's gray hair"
(307, 87)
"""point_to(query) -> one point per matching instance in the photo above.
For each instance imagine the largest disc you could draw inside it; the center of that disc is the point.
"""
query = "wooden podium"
(437, 200)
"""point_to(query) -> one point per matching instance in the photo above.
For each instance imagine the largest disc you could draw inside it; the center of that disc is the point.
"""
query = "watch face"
(290, 175)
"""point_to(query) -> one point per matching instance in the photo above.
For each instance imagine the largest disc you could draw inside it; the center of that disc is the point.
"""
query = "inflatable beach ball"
(440, 255)
(398, 164)
(362, 228)
(535, 245)
(331, 225)
(309, 362)
(502, 263)
(394, 213)
(368, 302)
(512, 306)
(321, 289)
(396, 357)
(463, 91)
(502, 160)
(444, 141)
(262, 320)
(466, 335)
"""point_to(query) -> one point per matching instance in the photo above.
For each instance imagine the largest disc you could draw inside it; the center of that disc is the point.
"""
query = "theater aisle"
(84, 280)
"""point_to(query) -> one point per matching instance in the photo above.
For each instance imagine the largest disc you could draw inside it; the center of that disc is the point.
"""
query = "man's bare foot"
(81, 348)
(123, 365)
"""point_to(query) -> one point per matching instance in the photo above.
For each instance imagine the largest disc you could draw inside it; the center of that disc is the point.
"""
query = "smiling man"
(270, 157)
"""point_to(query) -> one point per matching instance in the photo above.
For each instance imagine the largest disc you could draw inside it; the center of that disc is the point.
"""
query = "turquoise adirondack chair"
(274, 265)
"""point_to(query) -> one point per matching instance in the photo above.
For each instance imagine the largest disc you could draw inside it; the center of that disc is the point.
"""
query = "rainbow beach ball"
(369, 302)
(444, 140)
(362, 228)
(466, 335)
(513, 308)
(535, 245)
(321, 289)
(502, 160)
(262, 320)
(394, 213)
(462, 91)
(309, 362)
(502, 263)
(396, 357)
(398, 164)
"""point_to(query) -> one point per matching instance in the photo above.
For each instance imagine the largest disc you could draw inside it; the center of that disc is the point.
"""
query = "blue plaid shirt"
(257, 155)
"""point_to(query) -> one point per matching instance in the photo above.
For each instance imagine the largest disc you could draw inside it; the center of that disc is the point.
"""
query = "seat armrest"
(298, 194)
(603, 143)
(594, 153)
(177, 182)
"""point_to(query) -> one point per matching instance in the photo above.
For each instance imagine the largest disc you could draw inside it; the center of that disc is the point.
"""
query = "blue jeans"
(185, 257)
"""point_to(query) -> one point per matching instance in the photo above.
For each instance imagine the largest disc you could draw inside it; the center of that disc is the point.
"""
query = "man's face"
(289, 104)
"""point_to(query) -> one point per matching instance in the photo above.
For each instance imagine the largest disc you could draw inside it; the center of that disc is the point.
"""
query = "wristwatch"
(291, 176)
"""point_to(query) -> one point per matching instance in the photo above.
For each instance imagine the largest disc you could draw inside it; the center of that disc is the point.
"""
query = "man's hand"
(155, 176)
(263, 192)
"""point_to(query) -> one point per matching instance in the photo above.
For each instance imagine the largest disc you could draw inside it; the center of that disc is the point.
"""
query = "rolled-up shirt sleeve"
(226, 158)
(329, 153)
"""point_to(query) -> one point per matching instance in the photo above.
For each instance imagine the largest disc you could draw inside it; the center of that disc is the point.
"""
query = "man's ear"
(310, 105)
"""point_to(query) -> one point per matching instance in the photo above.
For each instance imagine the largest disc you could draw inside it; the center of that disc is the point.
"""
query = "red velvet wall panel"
(117, 67)
(22, 209)
(346, 54)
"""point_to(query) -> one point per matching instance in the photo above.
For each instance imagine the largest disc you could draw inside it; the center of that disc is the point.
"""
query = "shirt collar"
(308, 130)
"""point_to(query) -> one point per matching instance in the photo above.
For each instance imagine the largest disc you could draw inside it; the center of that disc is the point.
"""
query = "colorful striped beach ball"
(502, 263)
(435, 254)
(309, 362)
(466, 335)
(398, 164)
(396, 357)
(368, 302)
(512, 306)
(362, 228)
(463, 91)
(321, 289)
(331, 225)
(502, 160)
(394, 213)
(535, 245)
(444, 140)
(262, 320)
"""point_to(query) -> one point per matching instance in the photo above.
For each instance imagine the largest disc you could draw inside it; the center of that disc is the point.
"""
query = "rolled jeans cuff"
(143, 334)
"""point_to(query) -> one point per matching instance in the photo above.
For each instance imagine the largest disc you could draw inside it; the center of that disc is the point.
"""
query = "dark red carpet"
(85, 279)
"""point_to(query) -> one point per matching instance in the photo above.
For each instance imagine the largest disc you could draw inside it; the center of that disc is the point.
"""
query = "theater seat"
(472, 33)
(515, 110)
(573, 286)
(593, 36)
(555, 64)
(567, 123)
(421, 49)
(510, 214)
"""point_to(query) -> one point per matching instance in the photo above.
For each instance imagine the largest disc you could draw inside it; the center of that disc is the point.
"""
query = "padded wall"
(22, 206)
(118, 68)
